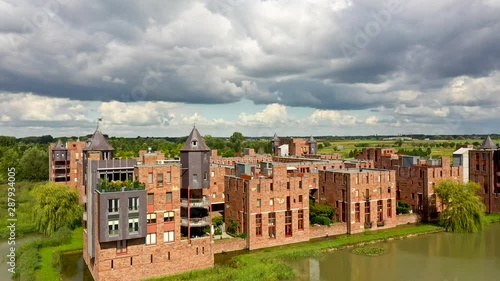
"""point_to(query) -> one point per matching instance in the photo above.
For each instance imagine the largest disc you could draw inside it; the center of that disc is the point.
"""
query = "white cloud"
(372, 120)
(136, 114)
(273, 115)
(331, 118)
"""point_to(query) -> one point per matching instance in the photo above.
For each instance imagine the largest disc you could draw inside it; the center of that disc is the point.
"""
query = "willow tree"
(56, 206)
(463, 210)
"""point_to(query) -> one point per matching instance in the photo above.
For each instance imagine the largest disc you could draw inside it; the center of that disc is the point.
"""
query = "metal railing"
(196, 221)
(196, 202)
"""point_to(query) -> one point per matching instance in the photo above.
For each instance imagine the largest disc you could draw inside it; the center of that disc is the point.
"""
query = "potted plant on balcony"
(380, 223)
(368, 225)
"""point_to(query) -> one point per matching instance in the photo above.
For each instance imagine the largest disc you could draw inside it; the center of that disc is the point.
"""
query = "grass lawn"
(47, 271)
(270, 263)
(24, 207)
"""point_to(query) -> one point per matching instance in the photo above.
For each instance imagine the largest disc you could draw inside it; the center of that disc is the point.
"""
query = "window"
(258, 187)
(151, 198)
(271, 202)
(150, 238)
(380, 190)
(272, 225)
(322, 189)
(214, 194)
(288, 185)
(195, 177)
(168, 179)
(367, 212)
(150, 177)
(168, 236)
(271, 186)
(160, 179)
(213, 174)
(380, 216)
(413, 196)
(121, 247)
(389, 208)
(133, 225)
(300, 184)
(205, 176)
(133, 203)
(288, 223)
(113, 205)
(258, 224)
(151, 218)
(357, 217)
(113, 227)
(300, 198)
(168, 216)
(258, 202)
(388, 190)
(300, 222)
(168, 197)
(314, 180)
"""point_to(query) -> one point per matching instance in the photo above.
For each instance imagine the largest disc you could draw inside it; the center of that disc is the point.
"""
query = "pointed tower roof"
(59, 145)
(275, 138)
(98, 142)
(311, 140)
(488, 144)
(195, 142)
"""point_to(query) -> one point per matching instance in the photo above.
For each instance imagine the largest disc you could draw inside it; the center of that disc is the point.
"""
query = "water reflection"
(440, 257)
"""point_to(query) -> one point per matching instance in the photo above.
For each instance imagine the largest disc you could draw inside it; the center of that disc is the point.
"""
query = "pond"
(74, 268)
(440, 257)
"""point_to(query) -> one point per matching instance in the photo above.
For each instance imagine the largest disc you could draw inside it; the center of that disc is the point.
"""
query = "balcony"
(58, 167)
(196, 221)
(196, 202)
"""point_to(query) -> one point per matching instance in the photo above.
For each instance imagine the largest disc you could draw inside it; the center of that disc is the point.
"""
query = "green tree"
(236, 141)
(398, 143)
(10, 158)
(463, 210)
(321, 214)
(34, 164)
(56, 206)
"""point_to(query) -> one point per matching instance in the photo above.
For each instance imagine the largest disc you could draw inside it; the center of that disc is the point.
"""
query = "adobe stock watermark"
(150, 81)
(38, 21)
(363, 37)
(11, 219)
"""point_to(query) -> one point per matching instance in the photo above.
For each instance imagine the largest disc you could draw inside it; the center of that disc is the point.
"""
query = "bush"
(402, 208)
(232, 226)
(321, 220)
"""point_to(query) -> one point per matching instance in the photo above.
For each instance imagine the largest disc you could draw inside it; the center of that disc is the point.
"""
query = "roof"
(59, 146)
(312, 140)
(195, 142)
(462, 150)
(488, 144)
(275, 138)
(98, 143)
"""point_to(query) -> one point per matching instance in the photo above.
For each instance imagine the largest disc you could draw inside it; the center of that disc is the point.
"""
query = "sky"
(309, 67)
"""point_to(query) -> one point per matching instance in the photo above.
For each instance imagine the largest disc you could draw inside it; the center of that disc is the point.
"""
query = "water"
(74, 268)
(439, 257)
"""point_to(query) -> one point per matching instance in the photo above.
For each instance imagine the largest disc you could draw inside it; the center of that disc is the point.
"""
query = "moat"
(440, 257)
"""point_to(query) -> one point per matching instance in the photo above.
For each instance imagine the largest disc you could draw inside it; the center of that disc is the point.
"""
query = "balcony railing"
(56, 167)
(114, 232)
(196, 202)
(196, 221)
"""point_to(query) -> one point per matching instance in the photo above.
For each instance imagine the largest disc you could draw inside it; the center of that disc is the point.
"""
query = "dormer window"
(194, 142)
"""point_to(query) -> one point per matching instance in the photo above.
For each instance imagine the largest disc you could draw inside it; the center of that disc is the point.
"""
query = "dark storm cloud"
(272, 51)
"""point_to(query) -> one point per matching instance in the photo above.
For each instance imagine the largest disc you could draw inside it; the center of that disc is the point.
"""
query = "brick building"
(362, 198)
(417, 178)
(383, 158)
(271, 205)
(63, 162)
(157, 222)
(293, 146)
(484, 168)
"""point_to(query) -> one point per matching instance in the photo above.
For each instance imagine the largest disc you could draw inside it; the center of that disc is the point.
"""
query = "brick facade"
(484, 169)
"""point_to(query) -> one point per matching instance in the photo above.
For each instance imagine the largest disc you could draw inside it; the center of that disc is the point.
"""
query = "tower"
(59, 163)
(312, 145)
(195, 184)
(275, 143)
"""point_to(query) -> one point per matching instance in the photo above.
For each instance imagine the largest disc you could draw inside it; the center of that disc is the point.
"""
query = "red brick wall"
(317, 231)
(228, 245)
(407, 218)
